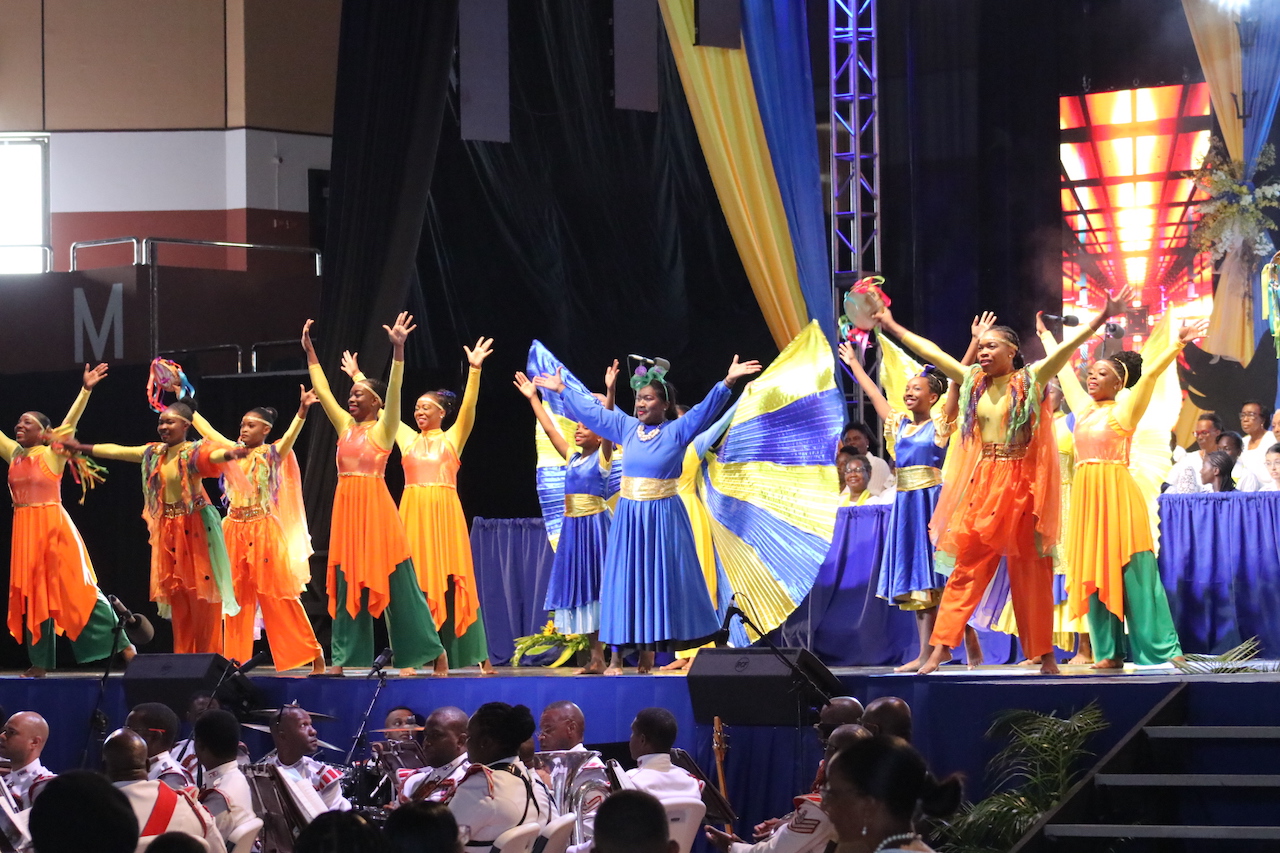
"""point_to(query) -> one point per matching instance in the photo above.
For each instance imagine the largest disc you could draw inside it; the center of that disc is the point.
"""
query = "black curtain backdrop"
(595, 230)
(394, 62)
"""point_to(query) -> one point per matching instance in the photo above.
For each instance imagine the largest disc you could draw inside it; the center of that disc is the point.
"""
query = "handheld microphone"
(382, 661)
(1068, 320)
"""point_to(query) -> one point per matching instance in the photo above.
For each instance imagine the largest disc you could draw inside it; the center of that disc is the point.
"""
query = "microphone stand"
(798, 675)
(98, 718)
(362, 736)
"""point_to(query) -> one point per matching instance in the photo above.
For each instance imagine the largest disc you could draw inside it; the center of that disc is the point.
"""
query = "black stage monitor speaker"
(751, 687)
(172, 678)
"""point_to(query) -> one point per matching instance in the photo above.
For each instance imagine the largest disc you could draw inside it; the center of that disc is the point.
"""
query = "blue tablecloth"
(1220, 564)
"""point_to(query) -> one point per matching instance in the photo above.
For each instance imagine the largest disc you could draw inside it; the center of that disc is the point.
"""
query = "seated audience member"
(876, 787)
(1245, 480)
(1216, 473)
(805, 830)
(1255, 423)
(225, 793)
(856, 477)
(158, 725)
(103, 821)
(1184, 476)
(296, 741)
(653, 733)
(1273, 470)
(175, 842)
(858, 436)
(497, 793)
(158, 807)
(561, 727)
(633, 822)
(404, 723)
(184, 751)
(340, 832)
(22, 741)
(889, 716)
(840, 711)
(1275, 425)
(423, 828)
(444, 743)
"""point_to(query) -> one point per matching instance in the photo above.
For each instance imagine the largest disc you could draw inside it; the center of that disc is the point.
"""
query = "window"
(24, 204)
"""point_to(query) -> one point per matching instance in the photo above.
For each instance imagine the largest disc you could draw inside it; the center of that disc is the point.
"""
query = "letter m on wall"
(112, 325)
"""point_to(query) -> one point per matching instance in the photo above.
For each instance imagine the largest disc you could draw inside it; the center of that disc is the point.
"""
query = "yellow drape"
(1218, 45)
(1231, 321)
(717, 85)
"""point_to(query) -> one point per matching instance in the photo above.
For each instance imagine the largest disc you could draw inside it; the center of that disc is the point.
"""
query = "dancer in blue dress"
(652, 593)
(573, 590)
(909, 576)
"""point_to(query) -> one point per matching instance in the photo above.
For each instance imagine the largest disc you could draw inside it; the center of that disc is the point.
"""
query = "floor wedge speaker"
(752, 687)
(172, 678)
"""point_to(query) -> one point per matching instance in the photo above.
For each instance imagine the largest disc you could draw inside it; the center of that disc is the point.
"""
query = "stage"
(765, 765)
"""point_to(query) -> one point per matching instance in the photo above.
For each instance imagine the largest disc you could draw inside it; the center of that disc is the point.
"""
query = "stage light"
(21, 205)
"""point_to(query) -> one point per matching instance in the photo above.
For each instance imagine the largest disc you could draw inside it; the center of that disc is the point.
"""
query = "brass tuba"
(570, 786)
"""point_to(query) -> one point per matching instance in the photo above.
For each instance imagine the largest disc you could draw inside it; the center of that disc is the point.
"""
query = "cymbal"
(260, 727)
(399, 729)
(272, 713)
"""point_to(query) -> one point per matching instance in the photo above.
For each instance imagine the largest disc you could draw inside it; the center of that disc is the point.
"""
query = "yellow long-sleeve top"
(1129, 405)
(456, 436)
(383, 432)
(257, 466)
(175, 487)
(993, 407)
(53, 461)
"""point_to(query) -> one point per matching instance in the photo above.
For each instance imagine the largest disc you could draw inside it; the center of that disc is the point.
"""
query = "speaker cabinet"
(752, 687)
(172, 678)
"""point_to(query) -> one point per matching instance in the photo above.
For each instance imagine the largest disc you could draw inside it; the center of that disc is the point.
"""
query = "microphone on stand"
(1068, 320)
(254, 662)
(651, 362)
(380, 662)
(136, 626)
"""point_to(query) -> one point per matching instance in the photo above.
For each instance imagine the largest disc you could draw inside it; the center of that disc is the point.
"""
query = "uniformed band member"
(653, 733)
(22, 741)
(158, 725)
(444, 743)
(497, 792)
(296, 741)
(562, 727)
(225, 793)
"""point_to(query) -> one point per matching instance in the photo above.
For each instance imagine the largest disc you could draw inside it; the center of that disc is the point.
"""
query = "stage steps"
(1185, 778)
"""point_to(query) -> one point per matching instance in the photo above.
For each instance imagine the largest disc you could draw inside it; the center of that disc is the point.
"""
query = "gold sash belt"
(431, 486)
(246, 513)
(42, 503)
(1004, 451)
(648, 488)
(915, 477)
(360, 474)
(178, 510)
(580, 506)
(1080, 462)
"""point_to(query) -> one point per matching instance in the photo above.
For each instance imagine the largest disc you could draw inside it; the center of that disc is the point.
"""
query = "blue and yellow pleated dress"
(908, 574)
(573, 590)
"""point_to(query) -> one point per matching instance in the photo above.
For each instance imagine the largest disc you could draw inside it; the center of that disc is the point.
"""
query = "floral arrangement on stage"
(547, 640)
(1233, 216)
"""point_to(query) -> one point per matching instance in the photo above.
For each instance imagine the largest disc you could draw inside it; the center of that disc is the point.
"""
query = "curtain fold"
(513, 563)
(722, 99)
(1213, 30)
(1231, 321)
(1260, 73)
(1220, 564)
(776, 39)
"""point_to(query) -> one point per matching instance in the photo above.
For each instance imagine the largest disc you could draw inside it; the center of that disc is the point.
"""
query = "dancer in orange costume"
(370, 563)
(267, 541)
(190, 574)
(51, 581)
(1003, 501)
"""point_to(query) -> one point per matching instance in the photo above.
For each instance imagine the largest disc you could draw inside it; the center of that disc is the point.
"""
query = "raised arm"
(530, 391)
(849, 356)
(610, 397)
(980, 326)
(581, 406)
(8, 447)
(1055, 359)
(1131, 408)
(338, 416)
(306, 399)
(922, 347)
(457, 434)
(1072, 391)
(92, 376)
(389, 418)
(206, 430)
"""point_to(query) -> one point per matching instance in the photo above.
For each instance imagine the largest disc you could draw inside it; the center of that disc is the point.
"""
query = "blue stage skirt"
(907, 566)
(575, 572)
(653, 592)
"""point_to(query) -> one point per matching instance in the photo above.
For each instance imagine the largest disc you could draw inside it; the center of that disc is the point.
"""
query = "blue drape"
(513, 561)
(1220, 564)
(777, 42)
(1260, 67)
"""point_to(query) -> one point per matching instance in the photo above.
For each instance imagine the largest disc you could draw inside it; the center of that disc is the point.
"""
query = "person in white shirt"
(158, 726)
(444, 744)
(225, 792)
(158, 808)
(858, 436)
(561, 728)
(184, 750)
(1255, 423)
(1233, 445)
(1273, 470)
(1208, 428)
(653, 733)
(22, 741)
(296, 741)
(497, 792)
(805, 830)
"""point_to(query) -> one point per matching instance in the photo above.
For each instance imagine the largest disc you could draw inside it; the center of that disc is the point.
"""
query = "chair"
(518, 839)
(244, 835)
(685, 817)
(555, 836)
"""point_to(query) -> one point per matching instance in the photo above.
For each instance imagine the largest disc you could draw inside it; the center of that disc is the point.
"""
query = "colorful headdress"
(164, 374)
(648, 370)
(861, 304)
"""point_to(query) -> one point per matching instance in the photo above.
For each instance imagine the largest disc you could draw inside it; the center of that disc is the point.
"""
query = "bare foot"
(595, 667)
(1177, 659)
(407, 672)
(912, 666)
(35, 672)
(1081, 659)
(1029, 662)
(677, 664)
(317, 665)
(972, 648)
(440, 667)
(614, 669)
(1048, 664)
(1109, 663)
(645, 666)
(941, 654)
(486, 668)
(129, 652)
(334, 670)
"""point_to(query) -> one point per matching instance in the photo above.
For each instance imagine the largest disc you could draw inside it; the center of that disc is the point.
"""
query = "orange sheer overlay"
(367, 539)
(50, 576)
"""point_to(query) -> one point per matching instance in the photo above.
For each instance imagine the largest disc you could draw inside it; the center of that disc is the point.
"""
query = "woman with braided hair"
(1003, 498)
(1113, 573)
